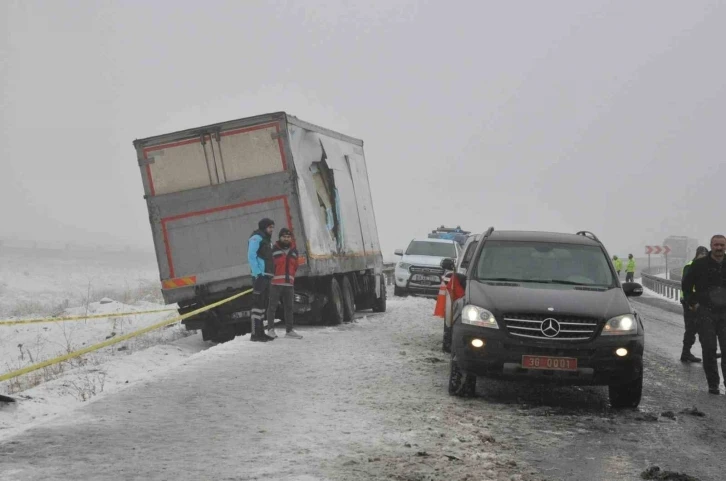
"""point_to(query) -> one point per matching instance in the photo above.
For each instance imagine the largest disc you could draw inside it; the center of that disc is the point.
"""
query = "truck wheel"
(626, 395)
(348, 300)
(460, 384)
(333, 314)
(379, 303)
(315, 316)
(446, 345)
(399, 292)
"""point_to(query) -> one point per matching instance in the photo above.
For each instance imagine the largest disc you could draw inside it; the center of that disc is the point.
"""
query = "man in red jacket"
(284, 260)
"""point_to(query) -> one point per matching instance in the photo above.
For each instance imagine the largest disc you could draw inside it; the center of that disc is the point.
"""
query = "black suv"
(548, 307)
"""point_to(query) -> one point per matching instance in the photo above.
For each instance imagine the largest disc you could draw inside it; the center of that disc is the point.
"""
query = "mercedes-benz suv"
(542, 306)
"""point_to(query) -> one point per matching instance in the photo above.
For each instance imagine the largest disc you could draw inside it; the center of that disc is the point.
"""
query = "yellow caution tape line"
(79, 318)
(116, 340)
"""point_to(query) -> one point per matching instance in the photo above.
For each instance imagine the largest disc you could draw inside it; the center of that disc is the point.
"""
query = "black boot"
(256, 330)
(259, 332)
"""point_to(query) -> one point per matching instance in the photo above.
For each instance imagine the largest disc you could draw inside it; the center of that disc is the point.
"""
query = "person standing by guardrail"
(689, 317)
(618, 265)
(707, 276)
(630, 269)
(284, 259)
(259, 256)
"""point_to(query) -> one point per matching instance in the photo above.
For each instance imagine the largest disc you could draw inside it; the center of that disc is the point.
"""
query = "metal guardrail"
(388, 270)
(665, 287)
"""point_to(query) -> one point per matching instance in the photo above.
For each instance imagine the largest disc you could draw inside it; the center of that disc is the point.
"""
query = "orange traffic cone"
(441, 299)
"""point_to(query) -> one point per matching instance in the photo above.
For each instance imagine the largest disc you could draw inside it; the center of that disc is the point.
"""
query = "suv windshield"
(436, 249)
(544, 262)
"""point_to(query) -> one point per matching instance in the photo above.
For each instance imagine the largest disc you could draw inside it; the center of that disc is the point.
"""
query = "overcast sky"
(556, 115)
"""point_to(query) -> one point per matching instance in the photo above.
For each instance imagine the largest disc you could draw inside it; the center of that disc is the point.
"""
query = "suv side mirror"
(398, 252)
(632, 289)
(448, 264)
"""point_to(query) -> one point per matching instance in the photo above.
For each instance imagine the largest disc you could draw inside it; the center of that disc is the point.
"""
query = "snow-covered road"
(360, 401)
(368, 401)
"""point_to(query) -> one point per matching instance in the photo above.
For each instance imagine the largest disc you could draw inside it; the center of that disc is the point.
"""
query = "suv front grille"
(427, 270)
(555, 327)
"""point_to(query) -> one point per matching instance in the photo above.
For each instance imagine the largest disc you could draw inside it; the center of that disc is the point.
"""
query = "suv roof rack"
(489, 231)
(587, 233)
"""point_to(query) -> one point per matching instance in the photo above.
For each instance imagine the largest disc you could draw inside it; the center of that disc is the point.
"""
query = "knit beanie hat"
(265, 223)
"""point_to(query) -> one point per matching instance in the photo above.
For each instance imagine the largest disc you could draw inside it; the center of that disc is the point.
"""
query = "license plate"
(423, 277)
(240, 314)
(549, 363)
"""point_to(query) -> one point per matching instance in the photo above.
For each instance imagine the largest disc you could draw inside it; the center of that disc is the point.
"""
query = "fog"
(558, 115)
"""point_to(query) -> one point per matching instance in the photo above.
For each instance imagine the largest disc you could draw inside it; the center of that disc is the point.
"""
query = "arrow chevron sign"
(657, 250)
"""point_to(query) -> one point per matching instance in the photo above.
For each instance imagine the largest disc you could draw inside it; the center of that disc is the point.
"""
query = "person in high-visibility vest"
(630, 269)
(689, 317)
(618, 264)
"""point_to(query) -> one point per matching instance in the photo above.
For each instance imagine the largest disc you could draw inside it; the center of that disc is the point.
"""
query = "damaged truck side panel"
(207, 188)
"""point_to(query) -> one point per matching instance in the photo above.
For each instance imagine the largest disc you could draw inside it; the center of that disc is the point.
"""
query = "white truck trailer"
(206, 188)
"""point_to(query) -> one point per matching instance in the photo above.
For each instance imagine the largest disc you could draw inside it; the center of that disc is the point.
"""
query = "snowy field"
(38, 282)
(44, 283)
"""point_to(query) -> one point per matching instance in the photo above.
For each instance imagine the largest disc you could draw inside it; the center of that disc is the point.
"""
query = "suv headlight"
(476, 316)
(403, 265)
(621, 325)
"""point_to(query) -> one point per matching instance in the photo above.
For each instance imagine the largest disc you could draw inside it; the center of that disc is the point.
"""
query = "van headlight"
(403, 265)
(476, 316)
(621, 325)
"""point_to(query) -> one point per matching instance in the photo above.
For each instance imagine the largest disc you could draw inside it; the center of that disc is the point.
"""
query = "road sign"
(657, 250)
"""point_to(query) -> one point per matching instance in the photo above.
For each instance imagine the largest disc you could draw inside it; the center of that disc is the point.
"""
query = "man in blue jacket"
(259, 256)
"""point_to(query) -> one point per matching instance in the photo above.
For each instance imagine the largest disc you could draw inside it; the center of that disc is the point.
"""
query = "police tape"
(116, 340)
(79, 318)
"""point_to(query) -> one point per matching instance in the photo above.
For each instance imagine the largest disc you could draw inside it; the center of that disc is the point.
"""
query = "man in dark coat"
(704, 290)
